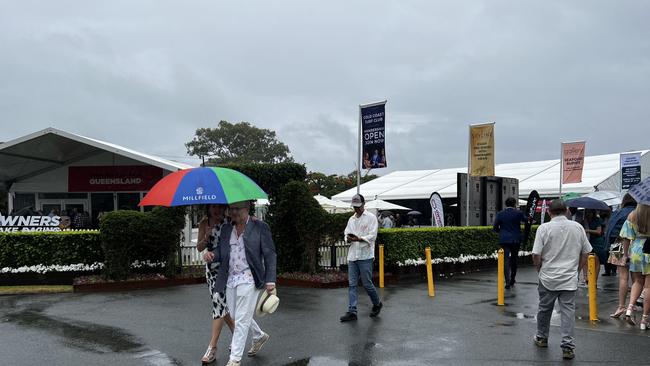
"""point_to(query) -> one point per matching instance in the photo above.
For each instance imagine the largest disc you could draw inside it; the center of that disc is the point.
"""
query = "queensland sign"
(373, 126)
(112, 178)
(9, 224)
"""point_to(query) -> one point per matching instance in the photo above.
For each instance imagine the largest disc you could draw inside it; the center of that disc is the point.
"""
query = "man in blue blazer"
(248, 266)
(508, 225)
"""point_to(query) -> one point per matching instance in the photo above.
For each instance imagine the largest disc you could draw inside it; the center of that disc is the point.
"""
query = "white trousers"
(241, 305)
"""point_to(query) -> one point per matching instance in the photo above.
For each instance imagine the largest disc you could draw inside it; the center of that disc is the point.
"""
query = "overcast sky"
(147, 74)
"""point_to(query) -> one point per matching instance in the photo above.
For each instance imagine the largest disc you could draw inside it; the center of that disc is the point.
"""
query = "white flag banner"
(437, 213)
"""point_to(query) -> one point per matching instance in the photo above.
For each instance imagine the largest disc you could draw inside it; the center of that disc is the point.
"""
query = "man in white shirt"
(561, 248)
(361, 233)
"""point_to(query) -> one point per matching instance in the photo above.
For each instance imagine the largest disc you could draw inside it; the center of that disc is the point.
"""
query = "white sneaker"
(233, 363)
(257, 345)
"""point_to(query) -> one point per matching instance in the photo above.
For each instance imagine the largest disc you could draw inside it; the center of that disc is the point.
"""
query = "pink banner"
(573, 160)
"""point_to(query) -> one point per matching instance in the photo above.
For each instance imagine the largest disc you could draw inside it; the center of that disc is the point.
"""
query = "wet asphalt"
(461, 325)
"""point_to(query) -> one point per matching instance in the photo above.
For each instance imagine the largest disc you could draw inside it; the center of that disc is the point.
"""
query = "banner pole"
(469, 163)
(359, 155)
(561, 167)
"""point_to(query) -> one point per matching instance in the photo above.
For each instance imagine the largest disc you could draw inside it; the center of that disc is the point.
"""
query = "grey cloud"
(147, 74)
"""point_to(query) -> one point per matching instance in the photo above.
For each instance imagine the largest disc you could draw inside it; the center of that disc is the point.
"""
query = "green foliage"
(238, 143)
(403, 244)
(271, 177)
(297, 222)
(335, 226)
(49, 248)
(128, 236)
(330, 185)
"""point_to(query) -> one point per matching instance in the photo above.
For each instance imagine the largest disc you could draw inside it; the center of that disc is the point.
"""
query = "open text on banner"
(630, 169)
(373, 135)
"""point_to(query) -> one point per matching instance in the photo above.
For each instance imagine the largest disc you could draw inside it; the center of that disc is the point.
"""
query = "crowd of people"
(618, 241)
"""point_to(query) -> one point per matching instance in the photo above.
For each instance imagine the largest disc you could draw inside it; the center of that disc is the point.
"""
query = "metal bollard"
(432, 290)
(381, 266)
(593, 301)
(500, 279)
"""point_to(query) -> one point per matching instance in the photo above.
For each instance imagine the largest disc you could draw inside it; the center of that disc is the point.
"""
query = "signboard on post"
(373, 128)
(630, 170)
(573, 161)
(437, 212)
(481, 150)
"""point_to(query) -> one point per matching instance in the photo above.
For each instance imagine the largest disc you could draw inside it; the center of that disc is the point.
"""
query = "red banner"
(112, 178)
(573, 160)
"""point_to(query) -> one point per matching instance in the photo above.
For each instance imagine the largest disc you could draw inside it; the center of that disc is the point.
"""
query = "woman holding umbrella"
(209, 230)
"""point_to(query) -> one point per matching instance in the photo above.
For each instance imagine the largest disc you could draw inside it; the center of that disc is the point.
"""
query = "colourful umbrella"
(200, 186)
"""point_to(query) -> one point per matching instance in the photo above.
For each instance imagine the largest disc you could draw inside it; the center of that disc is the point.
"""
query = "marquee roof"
(601, 172)
(49, 149)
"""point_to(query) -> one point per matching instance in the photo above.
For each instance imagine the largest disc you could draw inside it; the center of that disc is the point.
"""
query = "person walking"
(361, 233)
(636, 231)
(560, 249)
(508, 225)
(594, 227)
(209, 230)
(248, 266)
(619, 257)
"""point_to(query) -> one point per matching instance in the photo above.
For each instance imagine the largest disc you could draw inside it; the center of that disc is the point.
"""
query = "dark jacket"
(508, 225)
(615, 223)
(260, 253)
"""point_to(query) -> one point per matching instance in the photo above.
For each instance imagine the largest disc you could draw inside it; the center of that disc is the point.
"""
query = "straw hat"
(267, 303)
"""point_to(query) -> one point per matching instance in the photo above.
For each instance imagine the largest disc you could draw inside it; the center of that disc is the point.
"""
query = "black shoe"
(348, 317)
(568, 354)
(376, 309)
(540, 342)
(512, 283)
(606, 274)
(507, 287)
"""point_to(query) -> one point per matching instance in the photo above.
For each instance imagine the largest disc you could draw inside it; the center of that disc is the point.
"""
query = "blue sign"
(373, 136)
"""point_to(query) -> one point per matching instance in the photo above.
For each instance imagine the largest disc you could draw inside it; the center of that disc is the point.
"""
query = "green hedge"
(49, 248)
(403, 244)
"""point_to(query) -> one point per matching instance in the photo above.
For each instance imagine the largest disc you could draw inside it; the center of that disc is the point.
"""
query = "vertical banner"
(481, 150)
(531, 208)
(373, 118)
(573, 160)
(437, 212)
(630, 170)
(543, 214)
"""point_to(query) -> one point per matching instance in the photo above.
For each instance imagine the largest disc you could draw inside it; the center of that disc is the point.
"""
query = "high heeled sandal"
(619, 311)
(629, 315)
(210, 355)
(644, 322)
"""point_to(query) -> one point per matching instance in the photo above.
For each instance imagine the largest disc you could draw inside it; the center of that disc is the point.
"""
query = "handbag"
(616, 254)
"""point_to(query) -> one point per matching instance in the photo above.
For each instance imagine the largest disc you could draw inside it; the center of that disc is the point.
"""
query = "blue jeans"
(362, 269)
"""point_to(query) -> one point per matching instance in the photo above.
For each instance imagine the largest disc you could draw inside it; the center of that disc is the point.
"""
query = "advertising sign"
(11, 224)
(630, 170)
(437, 212)
(112, 178)
(573, 160)
(373, 118)
(481, 150)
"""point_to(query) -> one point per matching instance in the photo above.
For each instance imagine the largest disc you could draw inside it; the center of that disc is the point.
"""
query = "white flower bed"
(80, 267)
(462, 259)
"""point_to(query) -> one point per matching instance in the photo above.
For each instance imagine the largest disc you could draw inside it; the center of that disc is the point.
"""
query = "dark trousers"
(511, 253)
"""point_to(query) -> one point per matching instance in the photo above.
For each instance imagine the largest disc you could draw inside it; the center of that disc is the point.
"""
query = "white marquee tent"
(601, 173)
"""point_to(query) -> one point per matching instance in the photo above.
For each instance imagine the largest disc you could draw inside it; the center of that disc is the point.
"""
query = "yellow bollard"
(381, 266)
(501, 279)
(432, 290)
(593, 301)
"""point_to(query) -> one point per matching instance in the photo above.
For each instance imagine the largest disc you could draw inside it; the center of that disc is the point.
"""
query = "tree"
(329, 185)
(238, 143)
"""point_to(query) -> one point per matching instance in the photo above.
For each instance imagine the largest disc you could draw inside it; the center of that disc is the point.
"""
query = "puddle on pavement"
(518, 315)
(89, 337)
(322, 361)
